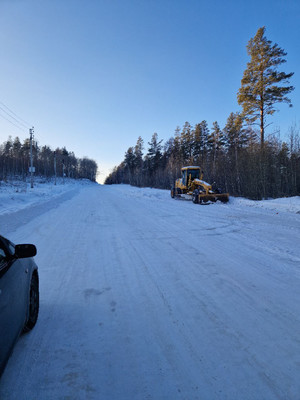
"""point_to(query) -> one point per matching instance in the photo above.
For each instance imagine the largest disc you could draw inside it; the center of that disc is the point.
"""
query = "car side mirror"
(25, 250)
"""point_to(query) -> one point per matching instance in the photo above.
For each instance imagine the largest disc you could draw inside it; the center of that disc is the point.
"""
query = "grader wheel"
(195, 197)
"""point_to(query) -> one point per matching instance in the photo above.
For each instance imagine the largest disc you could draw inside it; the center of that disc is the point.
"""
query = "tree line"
(231, 157)
(237, 157)
(15, 161)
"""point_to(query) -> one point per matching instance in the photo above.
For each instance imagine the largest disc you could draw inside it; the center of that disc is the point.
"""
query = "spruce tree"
(198, 143)
(154, 153)
(262, 84)
(215, 142)
(236, 134)
(138, 152)
(204, 134)
(129, 160)
(187, 142)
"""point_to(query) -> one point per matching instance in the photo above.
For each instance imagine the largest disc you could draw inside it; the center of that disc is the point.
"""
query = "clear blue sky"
(93, 75)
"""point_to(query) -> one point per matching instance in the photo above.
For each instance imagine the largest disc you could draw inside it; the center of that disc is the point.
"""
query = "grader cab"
(191, 185)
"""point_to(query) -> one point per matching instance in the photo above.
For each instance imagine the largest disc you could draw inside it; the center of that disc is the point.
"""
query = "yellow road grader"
(191, 185)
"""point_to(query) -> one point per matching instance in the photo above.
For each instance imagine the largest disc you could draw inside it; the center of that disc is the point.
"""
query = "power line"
(15, 119)
(18, 122)
(11, 111)
(17, 126)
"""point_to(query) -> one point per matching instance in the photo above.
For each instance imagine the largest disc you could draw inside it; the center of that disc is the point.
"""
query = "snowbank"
(286, 204)
(17, 195)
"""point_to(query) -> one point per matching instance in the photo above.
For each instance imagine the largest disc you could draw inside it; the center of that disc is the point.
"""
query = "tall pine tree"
(262, 84)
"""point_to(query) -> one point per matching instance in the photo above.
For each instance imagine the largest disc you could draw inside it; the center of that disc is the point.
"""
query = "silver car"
(19, 294)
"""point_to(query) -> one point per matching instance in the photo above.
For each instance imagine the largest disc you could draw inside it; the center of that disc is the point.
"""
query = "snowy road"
(145, 297)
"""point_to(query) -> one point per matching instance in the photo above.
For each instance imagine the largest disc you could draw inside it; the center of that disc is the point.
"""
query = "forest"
(238, 157)
(232, 157)
(15, 161)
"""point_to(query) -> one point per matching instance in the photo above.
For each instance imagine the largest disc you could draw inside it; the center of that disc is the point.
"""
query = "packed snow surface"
(147, 297)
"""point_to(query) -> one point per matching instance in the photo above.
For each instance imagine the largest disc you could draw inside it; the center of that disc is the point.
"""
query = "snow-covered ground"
(18, 195)
(146, 297)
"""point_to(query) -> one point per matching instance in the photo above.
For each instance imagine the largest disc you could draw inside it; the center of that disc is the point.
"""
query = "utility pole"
(55, 168)
(31, 131)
